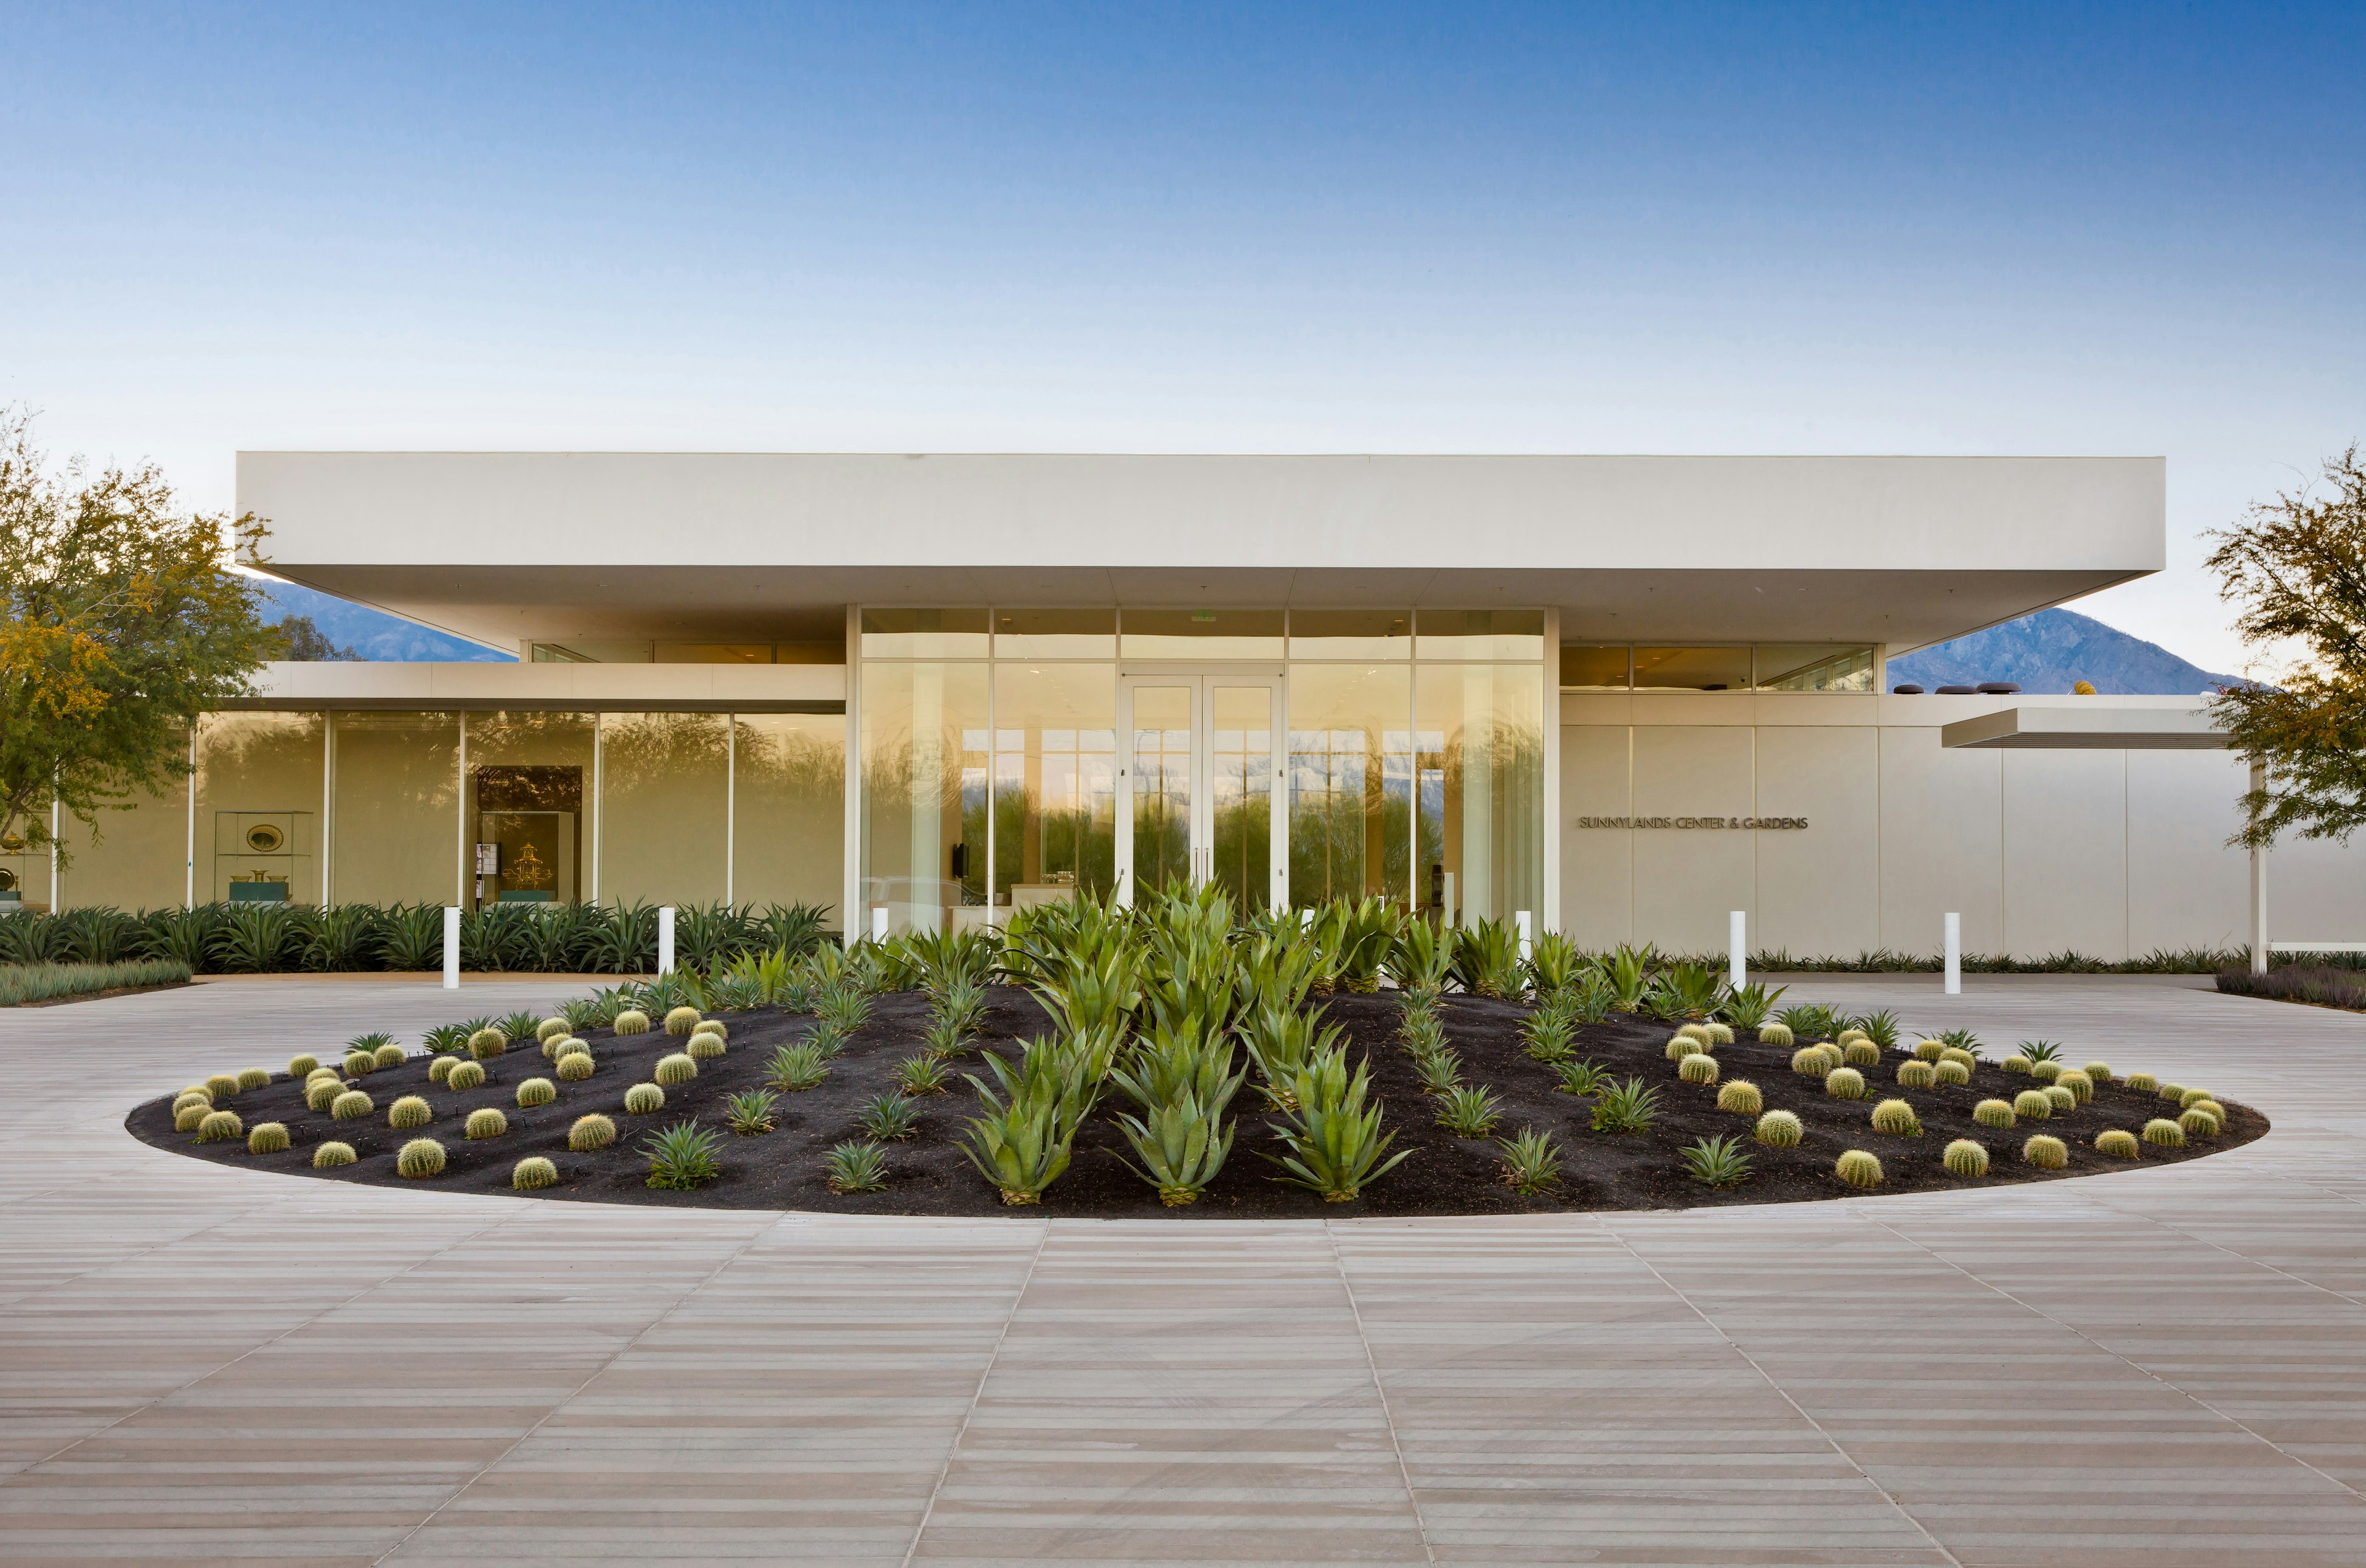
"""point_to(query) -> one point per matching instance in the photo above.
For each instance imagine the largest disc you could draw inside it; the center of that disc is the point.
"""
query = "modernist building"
(1622, 695)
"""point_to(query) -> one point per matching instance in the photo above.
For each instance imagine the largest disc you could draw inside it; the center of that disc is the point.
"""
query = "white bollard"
(665, 939)
(1520, 921)
(1737, 937)
(451, 947)
(1954, 955)
(879, 923)
(1306, 919)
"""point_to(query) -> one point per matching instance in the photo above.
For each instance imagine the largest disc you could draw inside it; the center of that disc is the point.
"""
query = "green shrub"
(1859, 1169)
(1630, 1107)
(2198, 1123)
(1916, 1073)
(2020, 1064)
(1470, 1112)
(322, 1093)
(1993, 1114)
(2117, 1144)
(922, 1075)
(800, 1065)
(1697, 1069)
(1531, 1162)
(535, 1091)
(2045, 1153)
(190, 1117)
(1718, 1162)
(407, 1113)
(1896, 1117)
(1684, 1045)
(2034, 1103)
(1861, 1053)
(2039, 1051)
(1777, 1034)
(1740, 1097)
(1581, 1078)
(2062, 1100)
(2142, 1083)
(1928, 1050)
(1780, 1130)
(1952, 1074)
(487, 1044)
(440, 1070)
(2168, 1134)
(675, 1069)
(420, 1158)
(2081, 1086)
(576, 1066)
(2098, 1073)
(1845, 1083)
(351, 1106)
(644, 1100)
(222, 1085)
(485, 1124)
(28, 979)
(632, 1021)
(533, 1173)
(890, 1117)
(704, 1047)
(862, 1167)
(589, 1133)
(300, 1066)
(681, 1020)
(464, 1075)
(750, 1112)
(333, 1153)
(1965, 1157)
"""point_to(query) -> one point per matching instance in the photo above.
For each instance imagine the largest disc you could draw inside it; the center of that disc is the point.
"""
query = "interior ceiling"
(505, 606)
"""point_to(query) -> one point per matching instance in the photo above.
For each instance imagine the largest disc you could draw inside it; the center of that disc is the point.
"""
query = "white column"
(1955, 954)
(328, 794)
(730, 800)
(190, 867)
(2259, 884)
(849, 929)
(927, 791)
(57, 893)
(1737, 944)
(1479, 788)
(599, 726)
(879, 923)
(460, 795)
(665, 939)
(451, 947)
(1549, 735)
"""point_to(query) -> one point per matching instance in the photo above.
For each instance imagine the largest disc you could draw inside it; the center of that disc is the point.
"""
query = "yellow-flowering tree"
(2297, 567)
(120, 621)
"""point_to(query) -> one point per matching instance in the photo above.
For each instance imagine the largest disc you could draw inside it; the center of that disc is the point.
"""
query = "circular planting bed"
(507, 1114)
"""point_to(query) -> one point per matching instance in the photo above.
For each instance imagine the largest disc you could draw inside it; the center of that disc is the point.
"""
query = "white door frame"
(1200, 680)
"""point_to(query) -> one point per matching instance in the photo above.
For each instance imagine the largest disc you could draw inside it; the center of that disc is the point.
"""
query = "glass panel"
(1594, 667)
(1351, 634)
(830, 652)
(664, 790)
(529, 776)
(395, 837)
(1481, 790)
(136, 861)
(1351, 782)
(1814, 667)
(1691, 669)
(1160, 761)
(1241, 792)
(1202, 634)
(924, 634)
(1482, 634)
(1055, 634)
(577, 652)
(259, 786)
(1055, 782)
(715, 653)
(788, 845)
(923, 830)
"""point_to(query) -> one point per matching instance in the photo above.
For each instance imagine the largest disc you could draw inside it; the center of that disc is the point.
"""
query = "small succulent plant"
(2034, 1103)
(1859, 1169)
(487, 1122)
(1896, 1117)
(351, 1106)
(190, 1117)
(1958, 1053)
(1952, 1073)
(1780, 1130)
(1928, 1050)
(2039, 1050)
(644, 1100)
(440, 1070)
(1630, 1107)
(1849, 1033)
(407, 1113)
(2117, 1142)
(889, 1117)
(1470, 1112)
(1965, 1157)
(184, 1100)
(533, 1173)
(388, 1056)
(856, 1168)
(535, 1091)
(1684, 1045)
(2212, 1106)
(683, 1156)
(589, 1133)
(2098, 1072)
(1581, 1078)
(2045, 1072)
(681, 1020)
(464, 1075)
(750, 1112)
(675, 1069)
(487, 1044)
(798, 1065)
(222, 1085)
(360, 1064)
(1845, 1083)
(570, 1046)
(1718, 1033)
(202, 1091)
(220, 1126)
(1740, 1097)
(300, 1066)
(1993, 1114)
(632, 1021)
(577, 1066)
(1917, 1074)
(1809, 1062)
(2062, 1100)
(1697, 1032)
(1861, 1052)
(1719, 1162)
(2142, 1083)
(2198, 1123)
(714, 1026)
(2045, 1153)
(1531, 1162)
(1771, 1034)
(2193, 1097)
(2164, 1132)
(921, 1074)
(2016, 1065)
(550, 1028)
(2175, 1091)
(420, 1158)
(1697, 1069)
(2081, 1086)
(322, 1093)
(704, 1047)
(326, 1156)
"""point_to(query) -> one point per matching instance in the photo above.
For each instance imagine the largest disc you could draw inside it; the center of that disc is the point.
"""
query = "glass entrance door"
(1197, 787)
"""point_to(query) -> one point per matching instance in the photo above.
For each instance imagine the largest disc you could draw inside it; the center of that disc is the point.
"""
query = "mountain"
(372, 634)
(2050, 651)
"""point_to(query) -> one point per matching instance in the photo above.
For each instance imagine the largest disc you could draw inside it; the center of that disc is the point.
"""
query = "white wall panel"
(2186, 888)
(2316, 890)
(2066, 861)
(1686, 880)
(1819, 888)
(1942, 843)
(1597, 863)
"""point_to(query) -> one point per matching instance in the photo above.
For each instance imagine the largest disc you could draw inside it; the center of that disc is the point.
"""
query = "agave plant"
(682, 1156)
(791, 930)
(798, 1065)
(1549, 1032)
(856, 1168)
(750, 1112)
(921, 1074)
(1630, 1107)
(1335, 1145)
(1421, 960)
(1064, 1076)
(185, 936)
(1961, 1040)
(1628, 974)
(1487, 959)
(889, 1116)
(345, 938)
(624, 942)
(1684, 990)
(1747, 1007)
(1881, 1028)
(1531, 1162)
(1720, 1161)
(1361, 936)
(1470, 1112)
(1554, 966)
(2039, 1050)
(257, 939)
(1440, 1071)
(1018, 1146)
(1813, 1021)
(1582, 1077)
(1281, 1043)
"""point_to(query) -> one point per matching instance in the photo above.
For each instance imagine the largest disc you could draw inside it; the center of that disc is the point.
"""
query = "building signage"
(1759, 822)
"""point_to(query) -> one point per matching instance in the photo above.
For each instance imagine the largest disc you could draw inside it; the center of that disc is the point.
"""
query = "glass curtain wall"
(1351, 782)
(788, 839)
(261, 779)
(924, 739)
(529, 785)
(1054, 781)
(665, 790)
(135, 860)
(395, 815)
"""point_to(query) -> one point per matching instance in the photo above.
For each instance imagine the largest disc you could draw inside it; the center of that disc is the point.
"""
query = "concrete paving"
(200, 1364)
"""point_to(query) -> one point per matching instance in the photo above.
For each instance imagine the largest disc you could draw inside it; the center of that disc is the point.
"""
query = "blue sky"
(1467, 228)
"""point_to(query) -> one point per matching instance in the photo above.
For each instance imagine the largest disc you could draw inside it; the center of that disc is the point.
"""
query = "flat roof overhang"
(2167, 728)
(507, 548)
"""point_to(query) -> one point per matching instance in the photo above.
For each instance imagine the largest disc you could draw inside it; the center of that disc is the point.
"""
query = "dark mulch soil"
(1447, 1175)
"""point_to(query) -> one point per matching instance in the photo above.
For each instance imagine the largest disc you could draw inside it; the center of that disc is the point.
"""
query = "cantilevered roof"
(721, 547)
(2176, 727)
